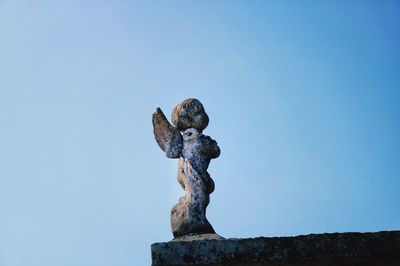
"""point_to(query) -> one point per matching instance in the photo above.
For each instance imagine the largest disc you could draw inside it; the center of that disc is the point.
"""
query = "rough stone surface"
(196, 237)
(195, 152)
(381, 248)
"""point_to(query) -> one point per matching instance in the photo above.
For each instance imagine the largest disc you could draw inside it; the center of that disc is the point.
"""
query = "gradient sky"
(303, 99)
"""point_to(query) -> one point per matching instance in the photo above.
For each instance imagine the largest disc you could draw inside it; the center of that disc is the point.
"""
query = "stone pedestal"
(381, 248)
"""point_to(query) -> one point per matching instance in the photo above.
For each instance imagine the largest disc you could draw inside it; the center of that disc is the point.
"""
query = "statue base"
(381, 248)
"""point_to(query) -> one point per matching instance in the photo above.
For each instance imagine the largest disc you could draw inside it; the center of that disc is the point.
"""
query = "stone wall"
(381, 248)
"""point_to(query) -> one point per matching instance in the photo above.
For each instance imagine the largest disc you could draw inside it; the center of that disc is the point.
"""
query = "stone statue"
(195, 152)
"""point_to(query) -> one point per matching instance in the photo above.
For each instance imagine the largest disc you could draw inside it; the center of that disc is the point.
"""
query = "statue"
(195, 151)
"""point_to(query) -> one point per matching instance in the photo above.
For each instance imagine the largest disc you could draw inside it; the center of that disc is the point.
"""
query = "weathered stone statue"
(194, 151)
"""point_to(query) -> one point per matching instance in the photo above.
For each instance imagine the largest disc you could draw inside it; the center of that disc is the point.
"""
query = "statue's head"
(190, 114)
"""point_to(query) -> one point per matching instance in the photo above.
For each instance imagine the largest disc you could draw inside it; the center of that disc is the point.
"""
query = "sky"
(303, 99)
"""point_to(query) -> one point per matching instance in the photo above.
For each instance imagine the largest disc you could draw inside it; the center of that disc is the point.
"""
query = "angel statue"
(185, 141)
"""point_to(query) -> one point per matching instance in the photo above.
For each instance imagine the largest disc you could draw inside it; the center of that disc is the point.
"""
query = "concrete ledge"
(381, 248)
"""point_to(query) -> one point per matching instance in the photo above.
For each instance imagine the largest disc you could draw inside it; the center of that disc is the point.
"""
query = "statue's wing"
(168, 137)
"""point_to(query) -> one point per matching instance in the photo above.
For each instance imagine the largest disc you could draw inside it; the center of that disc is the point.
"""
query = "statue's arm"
(168, 137)
(212, 150)
(215, 152)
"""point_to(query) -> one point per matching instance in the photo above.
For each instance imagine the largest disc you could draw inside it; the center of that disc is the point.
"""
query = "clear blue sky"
(303, 99)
